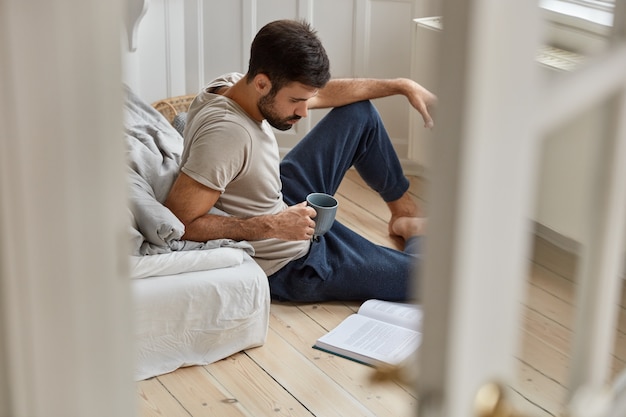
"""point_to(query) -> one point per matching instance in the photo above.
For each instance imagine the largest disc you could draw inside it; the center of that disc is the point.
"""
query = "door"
(66, 346)
(494, 112)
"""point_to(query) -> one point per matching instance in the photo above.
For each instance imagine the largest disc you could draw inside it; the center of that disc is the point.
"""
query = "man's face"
(285, 108)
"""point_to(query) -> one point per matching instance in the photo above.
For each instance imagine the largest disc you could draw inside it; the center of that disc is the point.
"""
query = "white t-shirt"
(228, 151)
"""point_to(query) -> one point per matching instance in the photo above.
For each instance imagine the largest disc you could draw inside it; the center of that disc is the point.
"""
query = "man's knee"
(363, 111)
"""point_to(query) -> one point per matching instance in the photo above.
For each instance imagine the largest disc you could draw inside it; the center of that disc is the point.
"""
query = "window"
(606, 5)
(580, 26)
(598, 12)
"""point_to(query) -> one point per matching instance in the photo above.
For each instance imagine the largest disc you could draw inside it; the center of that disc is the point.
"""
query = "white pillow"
(184, 261)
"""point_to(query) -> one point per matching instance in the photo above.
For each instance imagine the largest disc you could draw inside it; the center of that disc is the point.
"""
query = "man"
(230, 161)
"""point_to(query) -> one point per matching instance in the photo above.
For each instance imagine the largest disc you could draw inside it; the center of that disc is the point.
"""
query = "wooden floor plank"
(354, 188)
(555, 259)
(365, 199)
(552, 283)
(329, 315)
(544, 392)
(316, 391)
(539, 354)
(299, 330)
(252, 386)
(525, 407)
(155, 401)
(552, 296)
(565, 291)
(552, 333)
(417, 186)
(550, 306)
(363, 223)
(202, 394)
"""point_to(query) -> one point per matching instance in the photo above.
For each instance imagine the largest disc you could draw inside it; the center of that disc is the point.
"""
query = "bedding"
(194, 302)
(196, 318)
(186, 261)
(153, 149)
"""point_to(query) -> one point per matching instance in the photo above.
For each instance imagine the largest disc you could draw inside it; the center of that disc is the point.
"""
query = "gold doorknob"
(491, 401)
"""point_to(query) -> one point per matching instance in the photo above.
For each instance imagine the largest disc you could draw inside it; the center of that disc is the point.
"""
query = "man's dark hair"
(289, 51)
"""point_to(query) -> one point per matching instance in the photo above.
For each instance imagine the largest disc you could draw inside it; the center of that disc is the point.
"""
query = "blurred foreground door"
(494, 111)
(66, 346)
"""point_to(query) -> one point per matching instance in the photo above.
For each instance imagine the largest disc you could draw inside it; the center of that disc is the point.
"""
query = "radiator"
(558, 59)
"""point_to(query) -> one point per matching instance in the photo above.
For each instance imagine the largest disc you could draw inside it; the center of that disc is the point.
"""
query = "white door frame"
(493, 114)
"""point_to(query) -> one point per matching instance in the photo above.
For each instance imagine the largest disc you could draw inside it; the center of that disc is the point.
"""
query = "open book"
(381, 333)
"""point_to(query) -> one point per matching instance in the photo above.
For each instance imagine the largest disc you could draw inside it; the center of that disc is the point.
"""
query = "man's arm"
(339, 92)
(190, 201)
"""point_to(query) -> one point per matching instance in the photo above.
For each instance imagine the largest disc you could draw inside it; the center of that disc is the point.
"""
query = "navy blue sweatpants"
(343, 265)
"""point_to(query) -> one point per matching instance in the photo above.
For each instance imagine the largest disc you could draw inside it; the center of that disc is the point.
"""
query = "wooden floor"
(286, 377)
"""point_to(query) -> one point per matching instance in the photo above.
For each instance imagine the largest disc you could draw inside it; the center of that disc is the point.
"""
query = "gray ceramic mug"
(326, 207)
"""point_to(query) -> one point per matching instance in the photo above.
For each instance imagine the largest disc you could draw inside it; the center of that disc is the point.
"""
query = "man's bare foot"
(404, 207)
(407, 227)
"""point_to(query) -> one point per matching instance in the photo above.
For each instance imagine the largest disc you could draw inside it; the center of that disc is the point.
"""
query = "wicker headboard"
(170, 107)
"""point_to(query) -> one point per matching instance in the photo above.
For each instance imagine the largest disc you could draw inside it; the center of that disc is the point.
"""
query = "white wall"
(567, 167)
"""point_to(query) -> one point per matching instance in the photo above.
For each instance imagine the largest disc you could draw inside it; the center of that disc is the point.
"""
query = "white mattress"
(196, 318)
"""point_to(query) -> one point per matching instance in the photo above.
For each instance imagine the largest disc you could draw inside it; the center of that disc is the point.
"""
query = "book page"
(360, 337)
(400, 314)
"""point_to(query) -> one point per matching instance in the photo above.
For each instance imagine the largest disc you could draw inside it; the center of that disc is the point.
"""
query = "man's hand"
(294, 223)
(422, 99)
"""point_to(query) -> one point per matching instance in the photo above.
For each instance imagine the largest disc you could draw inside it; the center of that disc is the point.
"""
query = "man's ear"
(262, 84)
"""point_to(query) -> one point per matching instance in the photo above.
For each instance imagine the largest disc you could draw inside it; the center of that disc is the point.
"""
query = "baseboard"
(565, 243)
(411, 167)
(555, 238)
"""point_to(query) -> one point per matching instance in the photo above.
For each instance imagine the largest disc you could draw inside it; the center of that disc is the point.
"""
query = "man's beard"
(266, 107)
